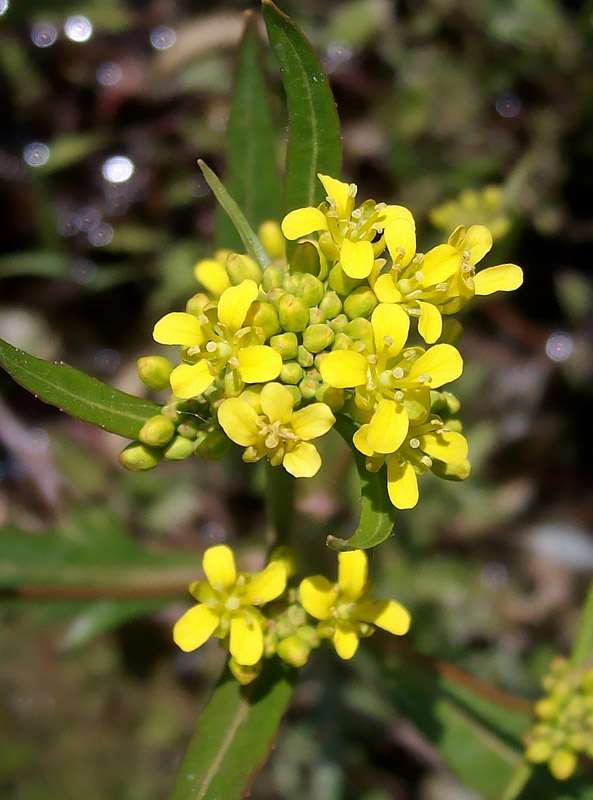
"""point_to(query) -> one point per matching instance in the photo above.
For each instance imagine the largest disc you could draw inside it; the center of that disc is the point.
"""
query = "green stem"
(280, 502)
(583, 646)
(519, 780)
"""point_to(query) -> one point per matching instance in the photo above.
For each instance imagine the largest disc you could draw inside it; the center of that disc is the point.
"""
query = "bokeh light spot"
(508, 105)
(559, 346)
(36, 154)
(3, 6)
(163, 37)
(101, 235)
(78, 28)
(109, 73)
(43, 34)
(118, 169)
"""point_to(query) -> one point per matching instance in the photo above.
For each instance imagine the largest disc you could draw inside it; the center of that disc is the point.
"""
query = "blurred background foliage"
(466, 113)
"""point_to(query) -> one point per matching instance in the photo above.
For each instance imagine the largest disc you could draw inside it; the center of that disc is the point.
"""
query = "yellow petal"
(357, 258)
(352, 573)
(441, 364)
(303, 461)
(238, 420)
(317, 596)
(439, 264)
(503, 278)
(386, 614)
(312, 421)
(361, 442)
(190, 380)
(388, 427)
(391, 326)
(402, 484)
(400, 237)
(179, 328)
(218, 564)
(194, 627)
(448, 446)
(268, 585)
(346, 639)
(430, 323)
(456, 238)
(478, 241)
(234, 304)
(212, 275)
(303, 221)
(246, 643)
(340, 193)
(386, 290)
(276, 402)
(259, 363)
(393, 213)
(343, 369)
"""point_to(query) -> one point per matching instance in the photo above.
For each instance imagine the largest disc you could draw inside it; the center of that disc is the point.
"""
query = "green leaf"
(252, 244)
(376, 517)
(314, 143)
(234, 736)
(77, 394)
(252, 175)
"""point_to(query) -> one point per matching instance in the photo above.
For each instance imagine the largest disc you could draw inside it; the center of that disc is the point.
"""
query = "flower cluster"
(257, 616)
(565, 720)
(352, 322)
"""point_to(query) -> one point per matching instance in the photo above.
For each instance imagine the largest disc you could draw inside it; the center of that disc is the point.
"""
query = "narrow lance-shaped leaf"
(314, 143)
(234, 736)
(376, 517)
(252, 175)
(252, 244)
(77, 394)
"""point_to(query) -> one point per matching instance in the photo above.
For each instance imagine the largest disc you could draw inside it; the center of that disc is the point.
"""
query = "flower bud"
(214, 445)
(316, 316)
(331, 305)
(334, 398)
(296, 395)
(308, 387)
(358, 328)
(189, 428)
(293, 313)
(171, 411)
(318, 337)
(157, 431)
(360, 303)
(242, 673)
(577, 741)
(240, 268)
(263, 315)
(291, 373)
(286, 344)
(304, 357)
(305, 259)
(296, 615)
(341, 283)
(291, 282)
(342, 342)
(138, 457)
(293, 650)
(195, 304)
(274, 296)
(272, 277)
(563, 764)
(328, 247)
(546, 708)
(270, 235)
(311, 290)
(338, 324)
(178, 449)
(538, 752)
(154, 372)
(588, 682)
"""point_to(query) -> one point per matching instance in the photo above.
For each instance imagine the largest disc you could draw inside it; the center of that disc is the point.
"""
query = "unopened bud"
(538, 752)
(304, 357)
(563, 764)
(358, 328)
(360, 303)
(242, 673)
(286, 344)
(577, 741)
(291, 282)
(291, 373)
(189, 428)
(546, 708)
(195, 304)
(342, 342)
(316, 316)
(293, 313)
(294, 651)
(275, 295)
(157, 431)
(272, 277)
(331, 305)
(138, 457)
(311, 290)
(318, 337)
(215, 445)
(154, 372)
(263, 315)
(296, 395)
(178, 449)
(341, 283)
(305, 259)
(588, 682)
(334, 398)
(308, 387)
(270, 235)
(240, 268)
(338, 324)
(328, 247)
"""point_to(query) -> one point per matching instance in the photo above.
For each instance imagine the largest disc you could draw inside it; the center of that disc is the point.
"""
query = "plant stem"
(280, 502)
(518, 781)
(583, 646)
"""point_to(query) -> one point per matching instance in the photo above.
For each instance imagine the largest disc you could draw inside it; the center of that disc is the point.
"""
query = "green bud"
(275, 295)
(459, 472)
(341, 283)
(305, 259)
(286, 344)
(328, 247)
(157, 431)
(331, 305)
(297, 615)
(291, 282)
(270, 235)
(243, 674)
(263, 315)
(308, 387)
(577, 741)
(455, 425)
(272, 277)
(154, 372)
(293, 313)
(338, 324)
(334, 398)
(309, 635)
(358, 328)
(296, 395)
(452, 332)
(195, 305)
(189, 428)
(138, 457)
(291, 373)
(311, 290)
(316, 316)
(342, 342)
(360, 303)
(178, 449)
(171, 411)
(240, 268)
(588, 682)
(317, 338)
(293, 650)
(538, 752)
(304, 357)
(546, 708)
(214, 445)
(563, 764)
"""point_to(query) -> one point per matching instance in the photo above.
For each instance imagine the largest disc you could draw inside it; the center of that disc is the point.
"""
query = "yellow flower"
(212, 274)
(227, 606)
(346, 610)
(274, 430)
(217, 344)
